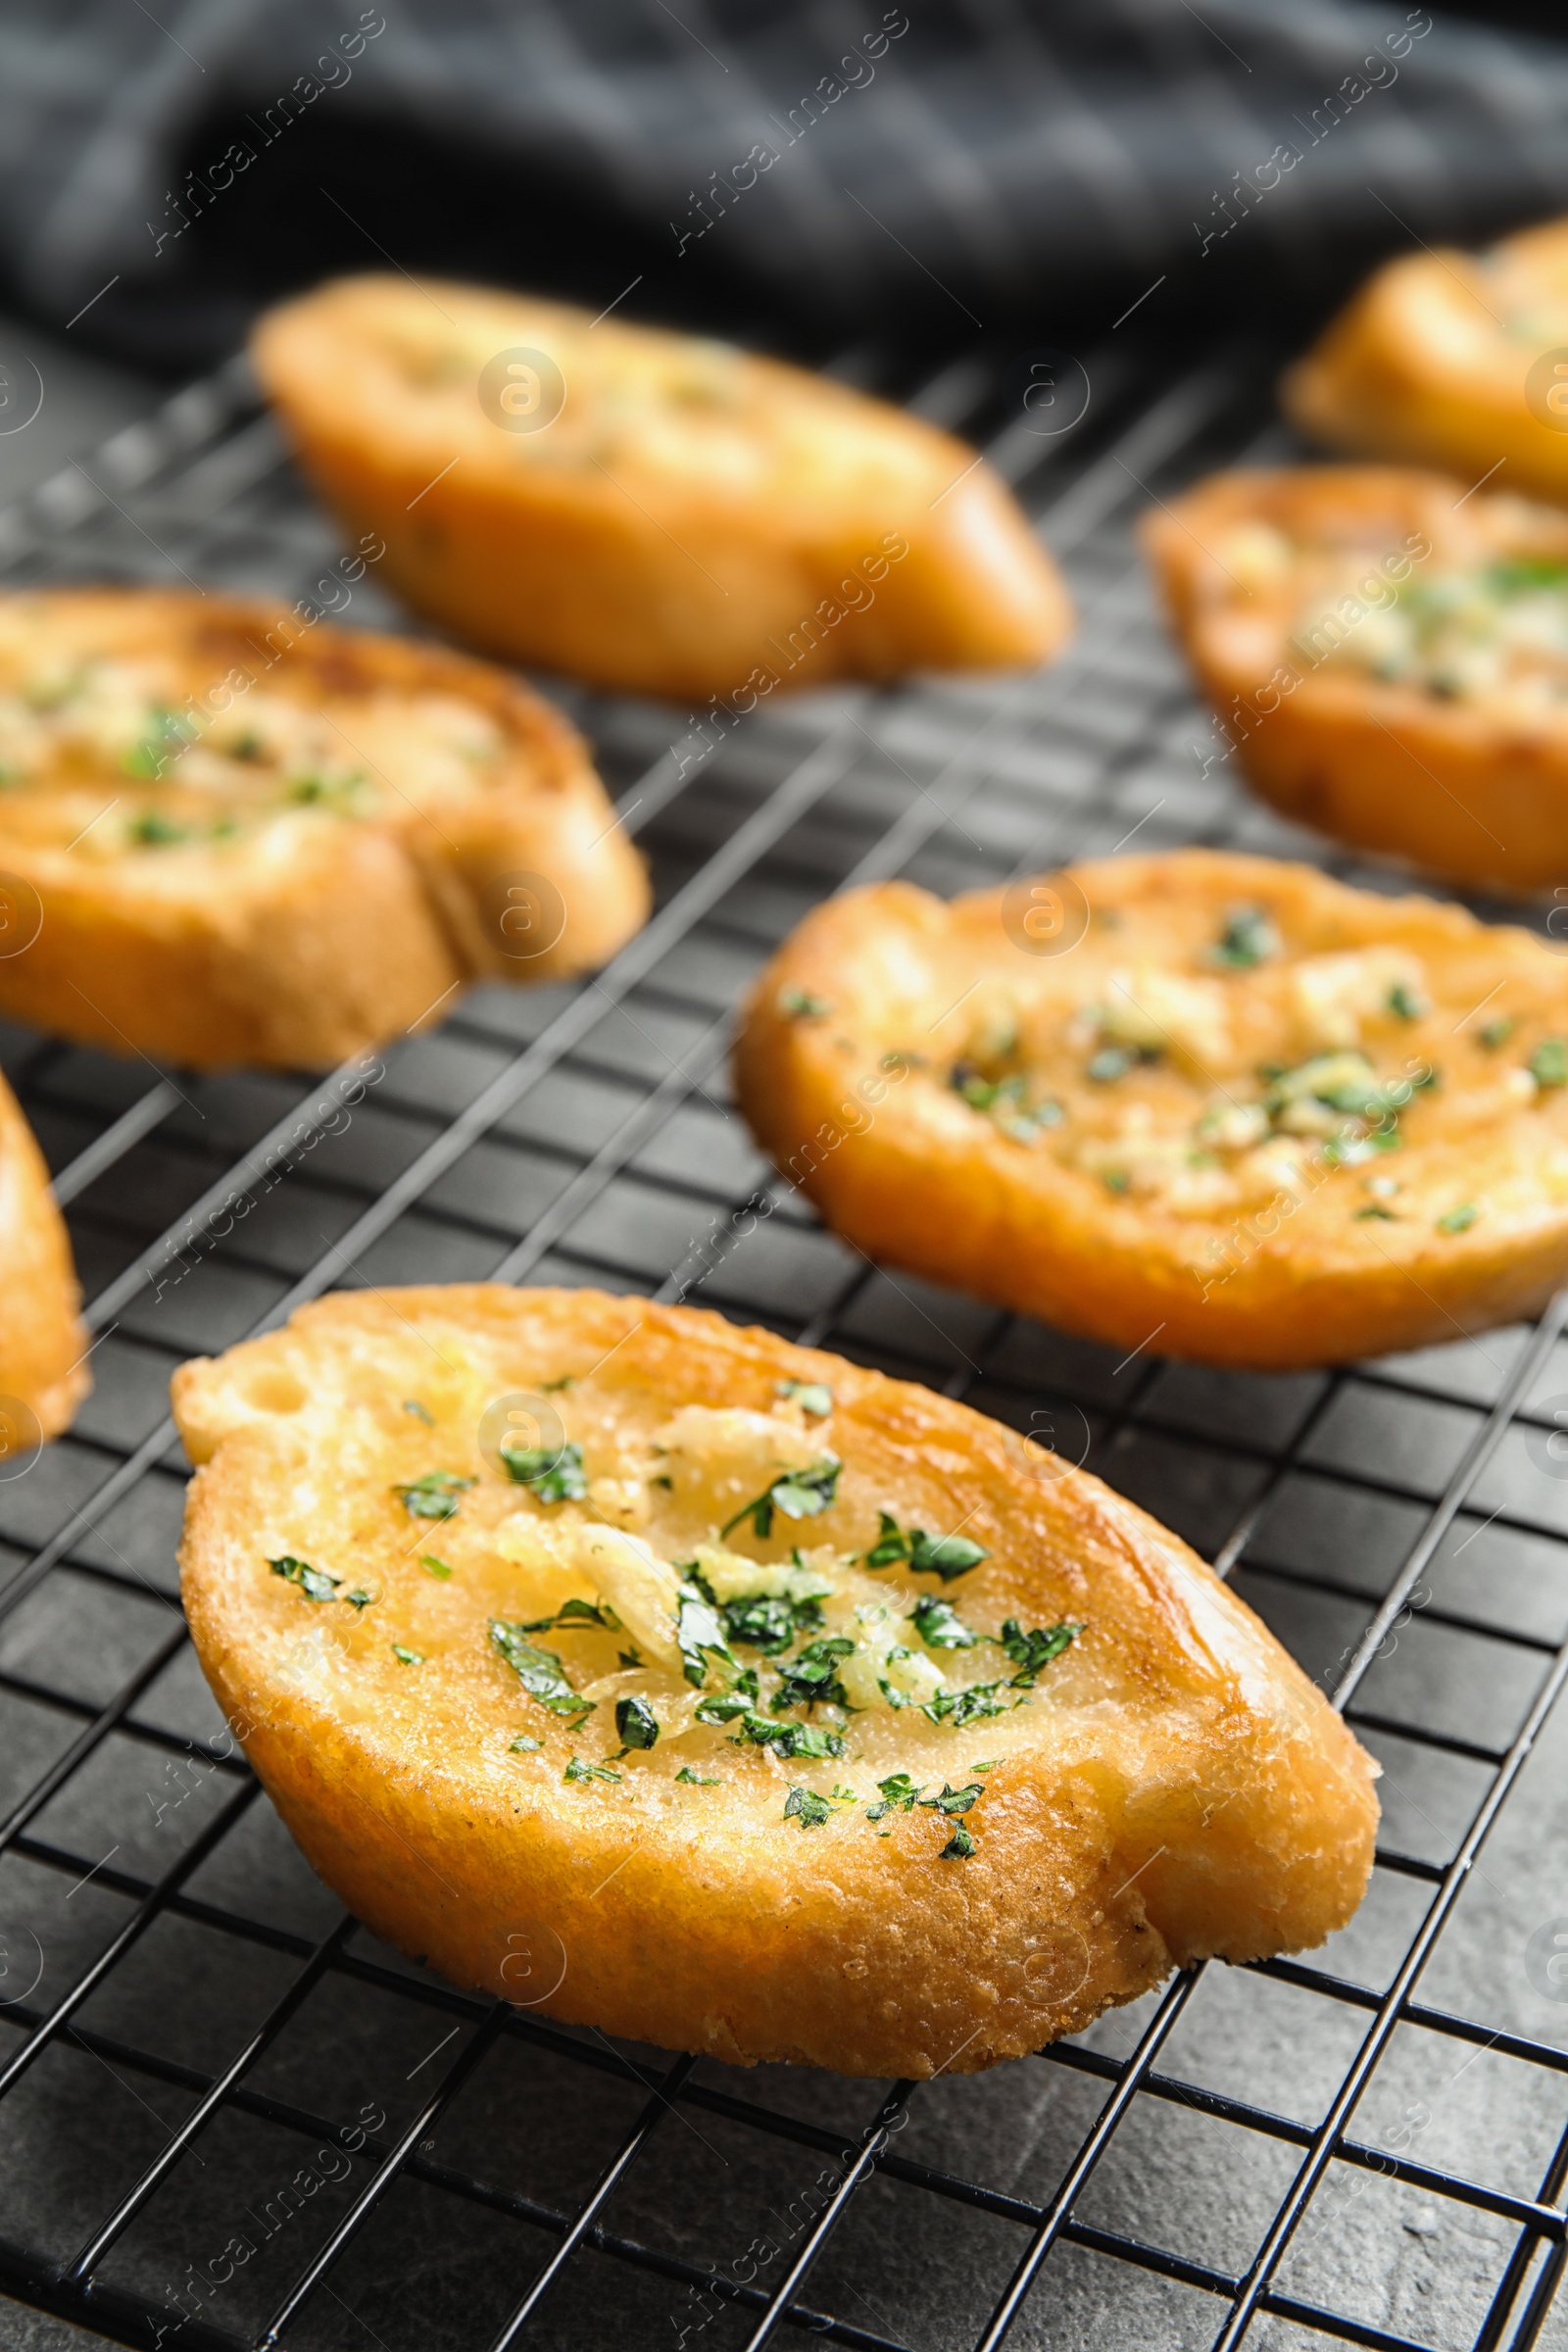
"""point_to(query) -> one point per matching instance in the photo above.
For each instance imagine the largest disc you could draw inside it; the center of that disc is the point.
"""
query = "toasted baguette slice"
(644, 509)
(1214, 1106)
(1049, 1756)
(1450, 359)
(244, 837)
(43, 1347)
(1390, 659)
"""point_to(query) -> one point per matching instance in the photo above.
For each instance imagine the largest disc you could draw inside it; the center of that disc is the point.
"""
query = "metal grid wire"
(233, 2119)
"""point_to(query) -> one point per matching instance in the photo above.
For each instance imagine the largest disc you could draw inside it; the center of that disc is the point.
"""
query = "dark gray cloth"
(803, 172)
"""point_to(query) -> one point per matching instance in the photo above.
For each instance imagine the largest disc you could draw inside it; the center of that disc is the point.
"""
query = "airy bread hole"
(276, 1391)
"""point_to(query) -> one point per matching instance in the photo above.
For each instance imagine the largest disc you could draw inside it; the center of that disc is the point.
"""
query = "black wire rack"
(230, 2118)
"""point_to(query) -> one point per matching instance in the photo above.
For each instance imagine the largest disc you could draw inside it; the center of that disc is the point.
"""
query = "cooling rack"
(230, 2118)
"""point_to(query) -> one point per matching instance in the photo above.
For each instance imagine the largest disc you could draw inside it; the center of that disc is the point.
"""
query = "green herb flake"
(552, 1388)
(631, 1658)
(550, 1473)
(798, 1494)
(947, 1556)
(357, 1599)
(153, 830)
(434, 1496)
(1497, 1033)
(439, 1569)
(693, 1780)
(1110, 1063)
(955, 1800)
(577, 1770)
(813, 1397)
(939, 1624)
(314, 1582)
(1405, 1005)
(899, 1795)
(807, 1808)
(1548, 1063)
(959, 1846)
(768, 1620)
(406, 1656)
(540, 1672)
(525, 1746)
(1385, 1216)
(1031, 1652)
(1461, 1219)
(799, 1005)
(700, 1635)
(636, 1724)
(812, 1675)
(975, 1705)
(411, 1404)
(1248, 939)
(576, 1612)
(786, 1740)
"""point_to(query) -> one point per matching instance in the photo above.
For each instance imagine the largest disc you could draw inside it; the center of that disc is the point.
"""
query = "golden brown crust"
(1176, 1788)
(1293, 1262)
(43, 1345)
(691, 521)
(1476, 789)
(307, 935)
(1434, 361)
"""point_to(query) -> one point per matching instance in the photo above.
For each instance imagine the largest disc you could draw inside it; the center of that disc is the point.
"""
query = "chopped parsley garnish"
(699, 1633)
(552, 1388)
(959, 1846)
(798, 1494)
(801, 1006)
(813, 1397)
(1374, 1210)
(786, 1740)
(1497, 1033)
(814, 1674)
(1523, 575)
(1405, 1002)
(411, 1404)
(768, 1620)
(1461, 1219)
(636, 1724)
(695, 1780)
(946, 1556)
(1548, 1063)
(971, 1705)
(358, 1600)
(577, 1770)
(630, 1658)
(152, 830)
(540, 1672)
(314, 1582)
(434, 1567)
(1114, 1061)
(939, 1624)
(576, 1612)
(246, 745)
(807, 1808)
(434, 1496)
(1248, 939)
(406, 1656)
(953, 1800)
(551, 1473)
(525, 1746)
(899, 1795)
(1031, 1652)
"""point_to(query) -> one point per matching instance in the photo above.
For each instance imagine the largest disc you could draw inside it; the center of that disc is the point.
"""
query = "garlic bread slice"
(646, 509)
(43, 1345)
(1389, 659)
(1450, 359)
(246, 836)
(1217, 1106)
(724, 1694)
